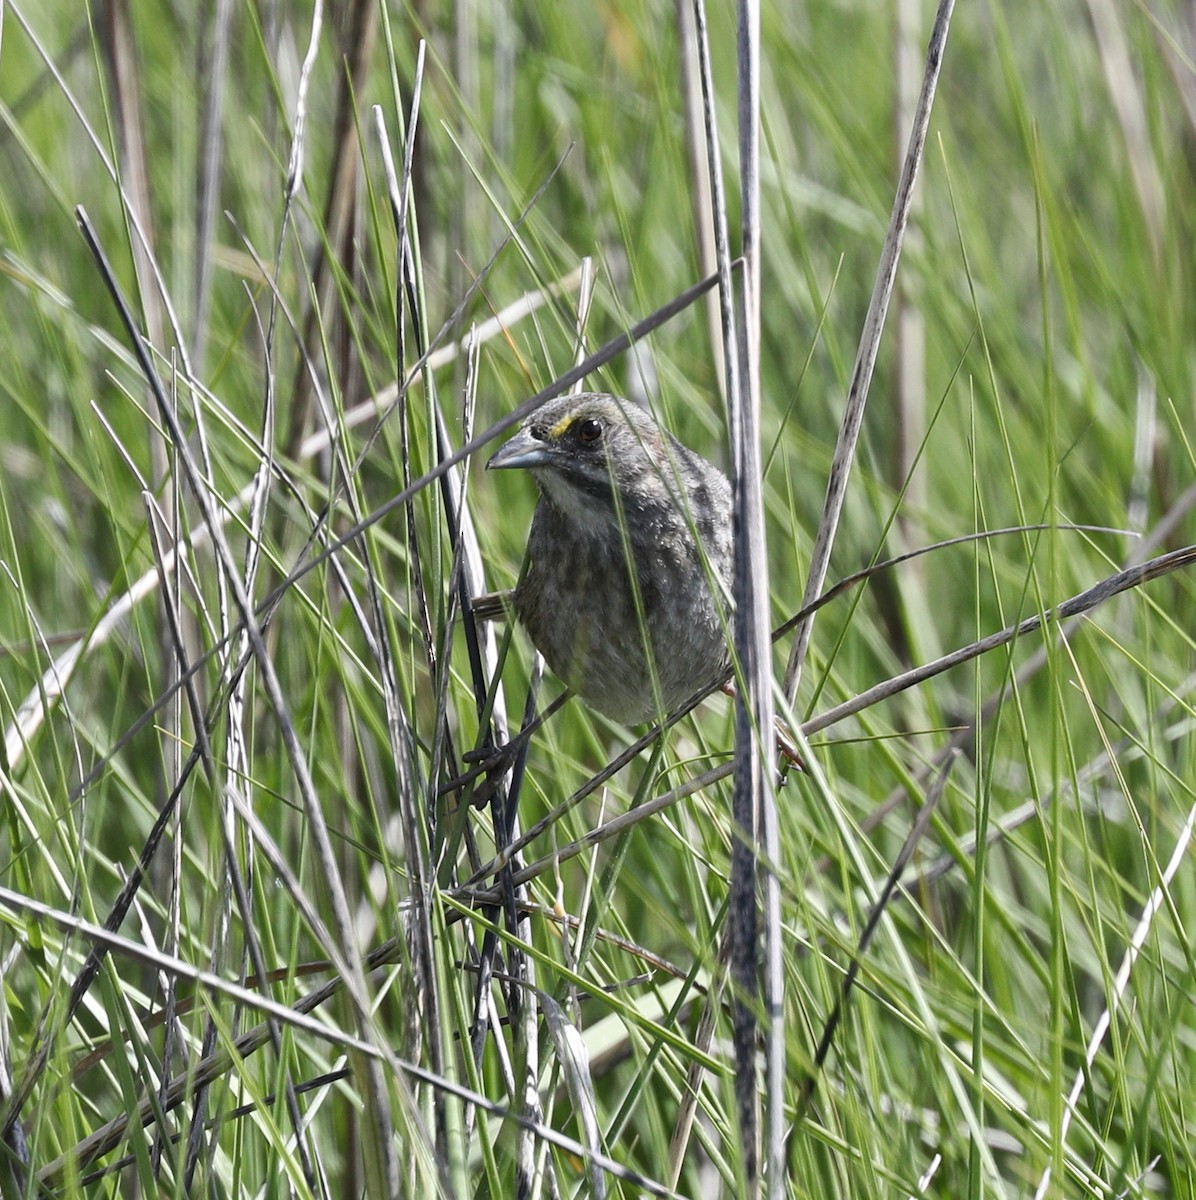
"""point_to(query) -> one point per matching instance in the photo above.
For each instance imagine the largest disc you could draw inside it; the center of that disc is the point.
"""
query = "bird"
(627, 592)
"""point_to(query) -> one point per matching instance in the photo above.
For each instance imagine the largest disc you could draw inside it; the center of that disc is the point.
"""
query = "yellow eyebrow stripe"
(558, 430)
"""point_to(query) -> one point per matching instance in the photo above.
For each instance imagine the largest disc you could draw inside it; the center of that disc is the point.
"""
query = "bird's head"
(577, 447)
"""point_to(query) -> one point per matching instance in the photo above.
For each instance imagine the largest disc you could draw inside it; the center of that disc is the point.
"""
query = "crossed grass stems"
(490, 764)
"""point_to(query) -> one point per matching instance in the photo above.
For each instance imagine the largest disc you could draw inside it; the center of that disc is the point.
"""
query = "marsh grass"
(316, 979)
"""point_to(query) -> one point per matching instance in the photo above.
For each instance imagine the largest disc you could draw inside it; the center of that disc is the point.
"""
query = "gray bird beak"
(522, 450)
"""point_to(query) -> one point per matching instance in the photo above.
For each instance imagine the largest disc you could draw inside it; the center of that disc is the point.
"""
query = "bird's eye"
(589, 431)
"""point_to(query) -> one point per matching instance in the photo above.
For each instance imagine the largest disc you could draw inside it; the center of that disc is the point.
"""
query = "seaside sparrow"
(631, 534)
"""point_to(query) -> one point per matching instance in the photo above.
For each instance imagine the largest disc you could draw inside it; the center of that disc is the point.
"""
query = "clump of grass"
(260, 763)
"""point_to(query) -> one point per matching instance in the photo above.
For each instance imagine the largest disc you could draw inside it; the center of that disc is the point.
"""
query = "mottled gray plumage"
(632, 658)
